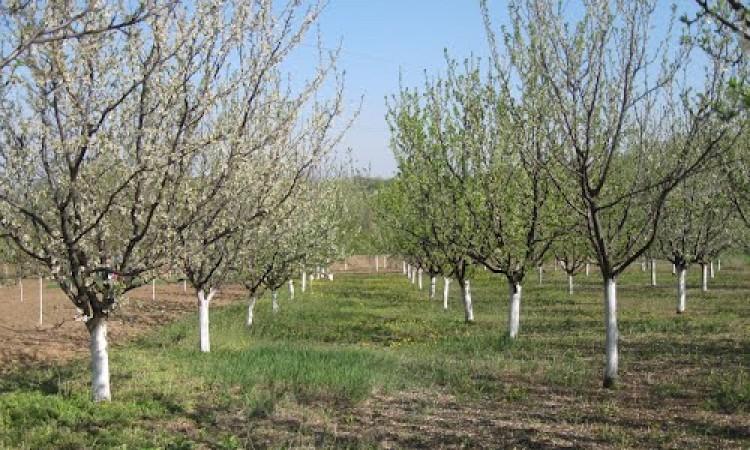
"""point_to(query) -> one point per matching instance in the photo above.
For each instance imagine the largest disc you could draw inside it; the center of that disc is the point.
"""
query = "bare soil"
(60, 337)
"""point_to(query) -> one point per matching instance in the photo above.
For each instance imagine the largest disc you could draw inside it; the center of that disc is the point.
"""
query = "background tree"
(613, 94)
(699, 223)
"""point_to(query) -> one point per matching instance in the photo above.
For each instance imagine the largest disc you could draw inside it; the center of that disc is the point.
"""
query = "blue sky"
(382, 38)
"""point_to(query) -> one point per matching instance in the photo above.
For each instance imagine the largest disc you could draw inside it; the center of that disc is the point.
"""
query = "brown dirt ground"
(23, 342)
(60, 337)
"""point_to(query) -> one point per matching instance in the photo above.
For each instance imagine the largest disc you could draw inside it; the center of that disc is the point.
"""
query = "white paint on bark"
(204, 300)
(653, 272)
(610, 317)
(446, 289)
(304, 281)
(100, 390)
(570, 284)
(153, 289)
(251, 310)
(704, 277)
(377, 264)
(41, 301)
(184, 285)
(291, 289)
(433, 285)
(711, 269)
(718, 265)
(514, 310)
(419, 279)
(20, 287)
(681, 291)
(674, 269)
(403, 267)
(468, 308)
(275, 301)
(587, 269)
(540, 274)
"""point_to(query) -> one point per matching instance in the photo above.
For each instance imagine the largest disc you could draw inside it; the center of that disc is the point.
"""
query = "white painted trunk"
(330, 276)
(570, 284)
(100, 390)
(718, 265)
(587, 269)
(704, 277)
(419, 279)
(514, 311)
(346, 266)
(153, 289)
(385, 262)
(711, 268)
(203, 321)
(610, 317)
(184, 285)
(251, 311)
(653, 272)
(304, 282)
(681, 291)
(413, 275)
(403, 267)
(468, 308)
(41, 301)
(540, 274)
(643, 265)
(274, 301)
(446, 289)
(433, 284)
(291, 289)
(674, 269)
(20, 286)
(377, 264)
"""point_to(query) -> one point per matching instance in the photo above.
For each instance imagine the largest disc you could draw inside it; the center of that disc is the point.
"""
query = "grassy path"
(369, 361)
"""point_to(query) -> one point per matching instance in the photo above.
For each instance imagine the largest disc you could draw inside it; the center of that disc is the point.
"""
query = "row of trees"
(166, 138)
(589, 140)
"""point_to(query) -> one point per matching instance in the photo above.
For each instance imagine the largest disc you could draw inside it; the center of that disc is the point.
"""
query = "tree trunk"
(346, 266)
(674, 269)
(274, 301)
(610, 311)
(304, 281)
(100, 390)
(408, 271)
(377, 264)
(704, 277)
(20, 286)
(403, 267)
(291, 289)
(419, 279)
(446, 289)
(153, 289)
(466, 296)
(587, 269)
(251, 310)
(433, 284)
(203, 322)
(681, 291)
(540, 274)
(570, 284)
(643, 265)
(718, 265)
(413, 275)
(514, 312)
(653, 272)
(41, 301)
(330, 276)
(711, 268)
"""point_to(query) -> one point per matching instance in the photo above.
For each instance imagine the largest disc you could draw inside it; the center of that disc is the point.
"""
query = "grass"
(369, 360)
